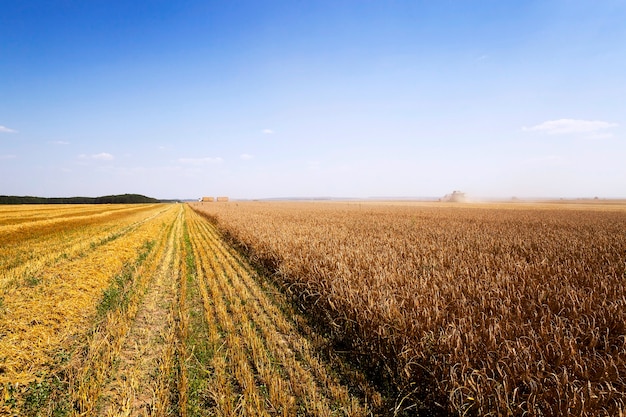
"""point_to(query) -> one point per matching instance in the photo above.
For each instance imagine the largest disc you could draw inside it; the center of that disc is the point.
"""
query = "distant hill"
(107, 199)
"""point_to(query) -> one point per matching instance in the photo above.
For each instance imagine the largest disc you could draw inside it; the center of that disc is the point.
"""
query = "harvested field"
(144, 310)
(511, 309)
(54, 270)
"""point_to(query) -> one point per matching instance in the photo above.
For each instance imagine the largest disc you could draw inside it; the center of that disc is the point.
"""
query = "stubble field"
(144, 310)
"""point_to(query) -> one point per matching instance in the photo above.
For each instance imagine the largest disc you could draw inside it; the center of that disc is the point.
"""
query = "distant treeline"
(107, 199)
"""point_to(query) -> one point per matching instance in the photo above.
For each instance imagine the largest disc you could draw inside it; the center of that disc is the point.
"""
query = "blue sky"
(255, 99)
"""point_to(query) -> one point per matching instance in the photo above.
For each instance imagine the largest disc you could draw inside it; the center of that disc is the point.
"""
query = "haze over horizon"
(263, 99)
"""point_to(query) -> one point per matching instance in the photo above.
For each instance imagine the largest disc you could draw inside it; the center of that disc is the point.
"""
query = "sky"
(318, 98)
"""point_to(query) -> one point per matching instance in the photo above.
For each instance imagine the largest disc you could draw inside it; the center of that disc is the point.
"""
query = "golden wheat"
(501, 310)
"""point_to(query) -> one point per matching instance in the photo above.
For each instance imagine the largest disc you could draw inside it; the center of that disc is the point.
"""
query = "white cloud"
(103, 156)
(4, 129)
(268, 131)
(200, 161)
(573, 126)
(8, 157)
(246, 157)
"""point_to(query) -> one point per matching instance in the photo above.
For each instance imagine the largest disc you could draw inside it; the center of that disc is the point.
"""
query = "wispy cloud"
(200, 161)
(594, 129)
(103, 156)
(59, 142)
(268, 131)
(7, 157)
(246, 156)
(4, 129)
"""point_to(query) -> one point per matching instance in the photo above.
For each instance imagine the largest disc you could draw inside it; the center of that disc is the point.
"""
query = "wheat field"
(137, 310)
(510, 309)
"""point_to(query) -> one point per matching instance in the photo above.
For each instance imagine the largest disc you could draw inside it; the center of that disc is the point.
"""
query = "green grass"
(118, 294)
(46, 398)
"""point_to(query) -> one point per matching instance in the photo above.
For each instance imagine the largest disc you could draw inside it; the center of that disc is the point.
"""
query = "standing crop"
(480, 310)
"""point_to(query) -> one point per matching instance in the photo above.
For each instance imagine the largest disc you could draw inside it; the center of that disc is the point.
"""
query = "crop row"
(45, 235)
